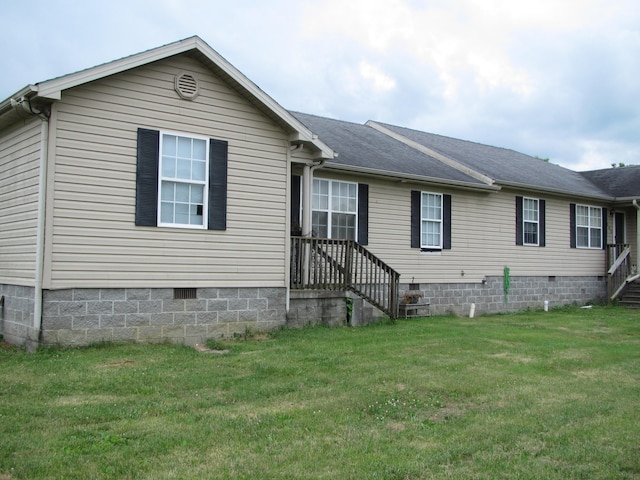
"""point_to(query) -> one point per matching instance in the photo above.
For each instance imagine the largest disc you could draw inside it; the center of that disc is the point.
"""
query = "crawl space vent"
(184, 293)
(187, 86)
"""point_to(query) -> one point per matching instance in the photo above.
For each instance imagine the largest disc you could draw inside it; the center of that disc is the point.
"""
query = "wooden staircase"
(630, 297)
(333, 264)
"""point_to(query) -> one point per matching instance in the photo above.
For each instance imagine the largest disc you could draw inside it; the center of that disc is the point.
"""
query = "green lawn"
(521, 396)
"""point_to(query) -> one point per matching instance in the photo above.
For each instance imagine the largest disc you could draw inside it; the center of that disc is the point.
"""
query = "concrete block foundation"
(82, 316)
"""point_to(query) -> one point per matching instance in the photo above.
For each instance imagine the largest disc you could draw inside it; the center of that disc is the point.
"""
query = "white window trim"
(440, 221)
(330, 209)
(205, 199)
(537, 222)
(589, 227)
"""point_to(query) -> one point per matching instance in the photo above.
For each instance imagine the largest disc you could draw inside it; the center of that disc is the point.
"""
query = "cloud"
(553, 78)
(379, 81)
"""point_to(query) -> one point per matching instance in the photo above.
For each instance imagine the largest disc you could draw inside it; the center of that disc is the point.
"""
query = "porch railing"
(333, 264)
(618, 259)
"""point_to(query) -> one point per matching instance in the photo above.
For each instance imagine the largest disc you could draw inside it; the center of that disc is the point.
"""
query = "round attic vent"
(186, 86)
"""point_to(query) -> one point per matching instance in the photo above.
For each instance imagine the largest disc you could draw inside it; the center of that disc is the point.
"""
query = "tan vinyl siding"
(95, 242)
(483, 238)
(19, 171)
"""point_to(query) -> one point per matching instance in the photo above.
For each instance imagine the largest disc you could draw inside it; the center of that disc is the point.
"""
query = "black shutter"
(572, 225)
(296, 226)
(446, 225)
(415, 218)
(218, 151)
(604, 228)
(148, 151)
(519, 227)
(542, 222)
(363, 214)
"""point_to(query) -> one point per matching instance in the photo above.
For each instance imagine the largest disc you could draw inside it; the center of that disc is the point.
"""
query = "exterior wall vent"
(187, 86)
(184, 293)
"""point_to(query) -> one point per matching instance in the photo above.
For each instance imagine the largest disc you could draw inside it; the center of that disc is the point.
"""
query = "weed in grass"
(217, 344)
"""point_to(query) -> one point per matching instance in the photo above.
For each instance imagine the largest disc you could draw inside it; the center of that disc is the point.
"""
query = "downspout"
(306, 204)
(307, 225)
(307, 187)
(42, 190)
(24, 104)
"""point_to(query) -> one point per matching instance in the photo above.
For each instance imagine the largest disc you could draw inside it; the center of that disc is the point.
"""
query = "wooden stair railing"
(334, 264)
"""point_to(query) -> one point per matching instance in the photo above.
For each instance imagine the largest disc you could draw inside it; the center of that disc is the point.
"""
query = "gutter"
(555, 191)
(9, 104)
(404, 177)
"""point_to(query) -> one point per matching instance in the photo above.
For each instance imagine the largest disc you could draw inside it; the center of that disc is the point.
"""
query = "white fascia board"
(405, 178)
(301, 132)
(52, 89)
(555, 191)
(24, 92)
(625, 200)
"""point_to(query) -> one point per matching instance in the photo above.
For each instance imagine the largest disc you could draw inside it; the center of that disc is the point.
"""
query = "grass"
(521, 396)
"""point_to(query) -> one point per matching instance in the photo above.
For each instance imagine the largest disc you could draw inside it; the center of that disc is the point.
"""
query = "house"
(164, 196)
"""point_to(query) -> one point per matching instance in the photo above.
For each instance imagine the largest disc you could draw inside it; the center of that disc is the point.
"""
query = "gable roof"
(622, 183)
(506, 167)
(361, 148)
(51, 90)
(374, 148)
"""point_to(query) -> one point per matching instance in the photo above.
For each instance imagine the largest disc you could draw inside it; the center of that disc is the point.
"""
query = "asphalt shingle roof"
(621, 182)
(362, 146)
(504, 165)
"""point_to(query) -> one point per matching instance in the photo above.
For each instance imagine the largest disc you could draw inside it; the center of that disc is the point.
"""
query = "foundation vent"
(187, 86)
(184, 293)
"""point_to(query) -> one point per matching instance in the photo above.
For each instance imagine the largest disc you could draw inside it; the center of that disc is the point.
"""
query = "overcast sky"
(557, 79)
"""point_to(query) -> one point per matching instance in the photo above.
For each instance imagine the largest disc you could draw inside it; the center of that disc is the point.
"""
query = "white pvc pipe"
(42, 192)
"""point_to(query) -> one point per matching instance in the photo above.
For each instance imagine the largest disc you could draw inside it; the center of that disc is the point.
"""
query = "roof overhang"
(556, 192)
(624, 201)
(51, 90)
(408, 178)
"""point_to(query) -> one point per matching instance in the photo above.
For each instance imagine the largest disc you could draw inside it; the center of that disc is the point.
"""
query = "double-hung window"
(431, 221)
(334, 209)
(183, 180)
(588, 226)
(530, 219)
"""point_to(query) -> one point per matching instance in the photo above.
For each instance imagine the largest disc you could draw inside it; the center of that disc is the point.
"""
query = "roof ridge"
(382, 128)
(457, 139)
(294, 112)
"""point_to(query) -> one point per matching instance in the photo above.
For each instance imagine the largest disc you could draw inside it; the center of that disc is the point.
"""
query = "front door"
(619, 234)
